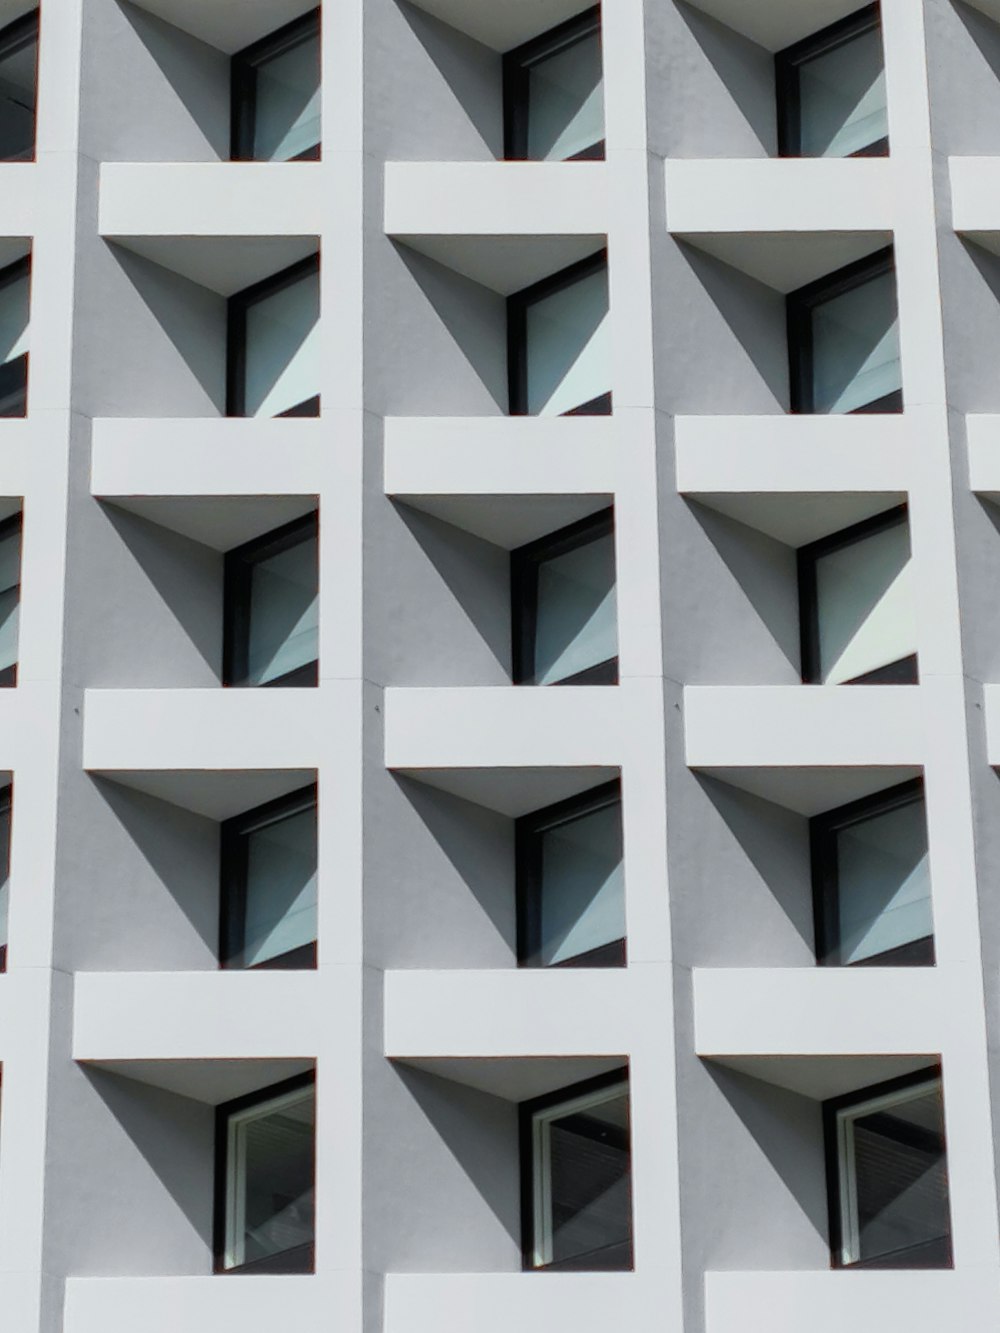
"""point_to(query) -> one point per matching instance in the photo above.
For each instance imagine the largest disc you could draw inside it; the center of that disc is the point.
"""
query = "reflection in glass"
(284, 613)
(10, 597)
(884, 888)
(280, 898)
(894, 1181)
(565, 110)
(287, 120)
(842, 100)
(855, 335)
(582, 890)
(18, 66)
(865, 606)
(582, 1182)
(576, 627)
(281, 371)
(567, 346)
(271, 1184)
(15, 292)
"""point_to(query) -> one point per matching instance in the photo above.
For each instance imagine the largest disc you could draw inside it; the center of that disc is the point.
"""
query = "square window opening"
(273, 345)
(871, 881)
(888, 1175)
(563, 599)
(570, 882)
(271, 608)
(831, 91)
(276, 95)
(554, 94)
(558, 343)
(857, 605)
(268, 885)
(577, 1178)
(843, 340)
(265, 1180)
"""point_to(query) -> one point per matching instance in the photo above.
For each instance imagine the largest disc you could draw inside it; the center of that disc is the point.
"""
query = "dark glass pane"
(583, 890)
(17, 99)
(284, 613)
(281, 370)
(902, 1183)
(842, 98)
(856, 347)
(883, 883)
(287, 119)
(576, 624)
(568, 353)
(566, 101)
(280, 889)
(272, 1165)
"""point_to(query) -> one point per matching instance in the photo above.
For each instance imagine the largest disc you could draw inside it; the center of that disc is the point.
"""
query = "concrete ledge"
(200, 729)
(991, 707)
(528, 1302)
(209, 199)
(147, 1016)
(983, 438)
(975, 196)
(865, 1302)
(495, 198)
(206, 1304)
(819, 1011)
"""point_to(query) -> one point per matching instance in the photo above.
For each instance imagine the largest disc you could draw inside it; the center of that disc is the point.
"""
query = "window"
(577, 1177)
(570, 882)
(857, 605)
(565, 620)
(6, 807)
(274, 347)
(888, 1175)
(268, 895)
(265, 1180)
(554, 94)
(831, 91)
(276, 95)
(871, 880)
(15, 292)
(558, 343)
(272, 608)
(843, 340)
(18, 76)
(10, 597)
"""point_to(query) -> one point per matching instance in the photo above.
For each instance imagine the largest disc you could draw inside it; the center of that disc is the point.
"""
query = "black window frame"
(243, 83)
(272, 1264)
(525, 562)
(233, 840)
(802, 304)
(526, 1112)
(787, 66)
(529, 831)
(14, 374)
(906, 670)
(517, 65)
(517, 335)
(7, 812)
(823, 831)
(238, 567)
(831, 1147)
(20, 33)
(237, 309)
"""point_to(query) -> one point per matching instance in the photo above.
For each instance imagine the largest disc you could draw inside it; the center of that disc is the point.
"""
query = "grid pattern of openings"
(499, 529)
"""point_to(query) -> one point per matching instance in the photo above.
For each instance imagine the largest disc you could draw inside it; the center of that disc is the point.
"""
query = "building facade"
(499, 665)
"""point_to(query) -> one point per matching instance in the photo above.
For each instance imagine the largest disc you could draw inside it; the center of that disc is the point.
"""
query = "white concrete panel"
(497, 1302)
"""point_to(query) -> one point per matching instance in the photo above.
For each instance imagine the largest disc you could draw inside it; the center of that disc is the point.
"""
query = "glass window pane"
(583, 888)
(883, 883)
(897, 1204)
(842, 98)
(583, 1194)
(14, 311)
(576, 625)
(5, 815)
(282, 349)
(566, 101)
(287, 117)
(568, 347)
(280, 889)
(865, 605)
(271, 1178)
(17, 101)
(284, 613)
(856, 347)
